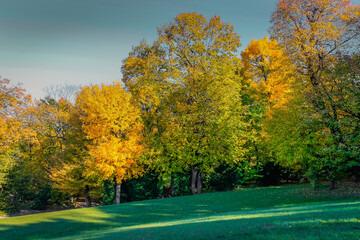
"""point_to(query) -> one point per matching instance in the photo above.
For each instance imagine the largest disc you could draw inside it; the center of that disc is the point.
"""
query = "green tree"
(312, 32)
(194, 66)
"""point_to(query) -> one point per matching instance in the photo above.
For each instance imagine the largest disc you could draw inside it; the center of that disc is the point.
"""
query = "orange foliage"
(271, 72)
(13, 124)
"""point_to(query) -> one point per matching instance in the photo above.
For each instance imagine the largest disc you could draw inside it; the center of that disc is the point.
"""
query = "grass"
(290, 212)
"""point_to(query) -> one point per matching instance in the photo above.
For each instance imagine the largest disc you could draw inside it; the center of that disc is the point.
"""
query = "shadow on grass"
(164, 221)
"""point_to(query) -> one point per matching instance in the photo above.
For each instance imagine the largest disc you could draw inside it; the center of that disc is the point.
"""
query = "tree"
(312, 32)
(13, 126)
(145, 75)
(344, 92)
(74, 171)
(271, 72)
(112, 122)
(13, 102)
(66, 92)
(194, 67)
(272, 77)
(40, 152)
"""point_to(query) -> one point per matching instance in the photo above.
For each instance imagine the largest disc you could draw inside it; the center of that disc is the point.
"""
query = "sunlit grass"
(295, 212)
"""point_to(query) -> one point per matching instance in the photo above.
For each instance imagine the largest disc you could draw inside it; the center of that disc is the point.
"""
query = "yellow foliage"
(112, 123)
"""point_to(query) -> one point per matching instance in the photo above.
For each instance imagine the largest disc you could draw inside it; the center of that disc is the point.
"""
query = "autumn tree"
(59, 153)
(192, 72)
(112, 123)
(13, 102)
(13, 126)
(40, 152)
(146, 75)
(76, 173)
(272, 77)
(312, 32)
(271, 73)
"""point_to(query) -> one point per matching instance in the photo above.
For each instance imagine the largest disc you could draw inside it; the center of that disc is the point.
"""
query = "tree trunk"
(117, 193)
(331, 184)
(194, 174)
(12, 198)
(87, 196)
(356, 177)
(199, 183)
(165, 192)
(168, 190)
(172, 191)
(356, 171)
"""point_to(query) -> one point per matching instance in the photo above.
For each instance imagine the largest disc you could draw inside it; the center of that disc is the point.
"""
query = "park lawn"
(288, 212)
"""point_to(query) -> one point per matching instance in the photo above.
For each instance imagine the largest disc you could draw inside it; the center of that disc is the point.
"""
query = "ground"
(288, 212)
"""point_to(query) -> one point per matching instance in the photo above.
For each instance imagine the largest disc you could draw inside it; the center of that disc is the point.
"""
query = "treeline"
(193, 113)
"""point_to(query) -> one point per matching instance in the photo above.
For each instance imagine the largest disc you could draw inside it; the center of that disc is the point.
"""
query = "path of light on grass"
(241, 215)
(89, 215)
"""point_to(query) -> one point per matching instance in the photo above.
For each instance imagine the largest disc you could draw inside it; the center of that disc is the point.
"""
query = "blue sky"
(50, 42)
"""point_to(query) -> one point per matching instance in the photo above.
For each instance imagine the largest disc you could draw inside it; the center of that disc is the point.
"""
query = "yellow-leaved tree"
(13, 124)
(112, 122)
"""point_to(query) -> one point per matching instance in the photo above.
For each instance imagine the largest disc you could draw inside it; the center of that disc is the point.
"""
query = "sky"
(46, 43)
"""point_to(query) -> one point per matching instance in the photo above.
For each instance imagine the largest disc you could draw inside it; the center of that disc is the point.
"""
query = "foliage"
(206, 101)
(312, 32)
(272, 77)
(112, 123)
(108, 194)
(190, 91)
(13, 124)
(189, 109)
(271, 72)
(76, 174)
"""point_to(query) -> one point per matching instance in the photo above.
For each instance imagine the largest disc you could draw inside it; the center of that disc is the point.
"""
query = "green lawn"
(291, 212)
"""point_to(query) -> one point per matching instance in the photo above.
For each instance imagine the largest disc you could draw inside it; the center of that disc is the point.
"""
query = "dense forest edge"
(193, 114)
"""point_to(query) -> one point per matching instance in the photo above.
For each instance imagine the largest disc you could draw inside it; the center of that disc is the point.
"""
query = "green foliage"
(108, 194)
(146, 187)
(224, 178)
(228, 177)
(41, 200)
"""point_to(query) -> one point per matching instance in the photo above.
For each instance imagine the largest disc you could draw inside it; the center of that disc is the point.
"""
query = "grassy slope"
(292, 212)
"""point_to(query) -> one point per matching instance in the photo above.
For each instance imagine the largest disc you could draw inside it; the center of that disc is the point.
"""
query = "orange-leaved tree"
(112, 123)
(272, 77)
(271, 72)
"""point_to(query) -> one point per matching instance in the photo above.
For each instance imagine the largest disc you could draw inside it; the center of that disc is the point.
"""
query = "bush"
(224, 178)
(108, 195)
(41, 200)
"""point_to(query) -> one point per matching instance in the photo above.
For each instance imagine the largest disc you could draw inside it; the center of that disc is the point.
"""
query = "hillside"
(290, 212)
